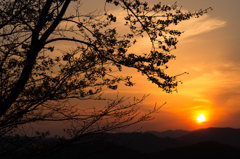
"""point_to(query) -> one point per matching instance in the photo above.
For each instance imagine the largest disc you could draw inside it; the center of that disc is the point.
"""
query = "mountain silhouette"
(227, 136)
(169, 133)
(199, 144)
(206, 150)
(145, 142)
(203, 150)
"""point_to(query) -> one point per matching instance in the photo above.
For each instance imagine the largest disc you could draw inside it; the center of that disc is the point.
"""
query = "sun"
(201, 118)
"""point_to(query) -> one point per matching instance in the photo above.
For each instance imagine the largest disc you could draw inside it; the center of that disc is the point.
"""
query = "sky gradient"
(209, 51)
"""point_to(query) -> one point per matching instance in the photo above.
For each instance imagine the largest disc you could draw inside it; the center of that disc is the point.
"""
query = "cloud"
(202, 100)
(196, 26)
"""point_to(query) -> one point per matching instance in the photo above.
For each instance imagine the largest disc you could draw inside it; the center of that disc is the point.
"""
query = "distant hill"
(149, 143)
(203, 150)
(145, 142)
(227, 136)
(199, 144)
(170, 133)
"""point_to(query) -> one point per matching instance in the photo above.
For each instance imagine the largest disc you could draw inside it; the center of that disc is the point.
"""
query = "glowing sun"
(201, 118)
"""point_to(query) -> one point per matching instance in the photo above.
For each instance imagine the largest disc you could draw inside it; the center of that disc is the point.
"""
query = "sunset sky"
(209, 52)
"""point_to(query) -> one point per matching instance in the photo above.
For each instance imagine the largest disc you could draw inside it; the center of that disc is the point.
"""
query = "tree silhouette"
(36, 82)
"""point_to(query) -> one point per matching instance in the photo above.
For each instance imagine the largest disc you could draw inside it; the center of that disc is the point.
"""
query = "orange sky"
(209, 52)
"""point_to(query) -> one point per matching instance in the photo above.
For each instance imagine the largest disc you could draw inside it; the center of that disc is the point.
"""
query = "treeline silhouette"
(204, 143)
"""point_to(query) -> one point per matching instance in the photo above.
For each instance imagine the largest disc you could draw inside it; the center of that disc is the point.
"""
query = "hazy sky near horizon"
(209, 51)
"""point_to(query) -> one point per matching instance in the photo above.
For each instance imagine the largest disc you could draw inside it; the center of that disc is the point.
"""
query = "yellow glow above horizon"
(201, 118)
(206, 95)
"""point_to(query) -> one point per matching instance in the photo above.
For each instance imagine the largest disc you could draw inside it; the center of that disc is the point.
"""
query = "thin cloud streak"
(198, 26)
